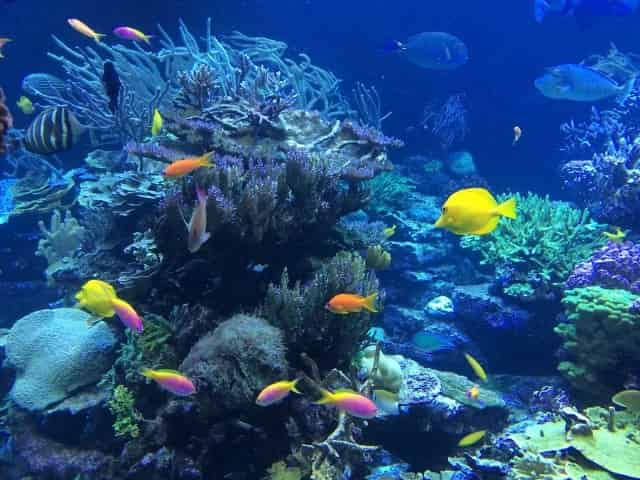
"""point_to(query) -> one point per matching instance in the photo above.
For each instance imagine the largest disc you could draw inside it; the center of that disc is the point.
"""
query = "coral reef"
(447, 120)
(54, 353)
(541, 247)
(126, 417)
(307, 326)
(601, 339)
(234, 362)
(6, 122)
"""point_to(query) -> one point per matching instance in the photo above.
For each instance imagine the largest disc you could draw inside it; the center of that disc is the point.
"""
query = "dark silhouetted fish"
(54, 130)
(585, 11)
(433, 50)
(112, 85)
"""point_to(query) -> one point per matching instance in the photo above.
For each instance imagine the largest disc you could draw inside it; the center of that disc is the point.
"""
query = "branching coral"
(601, 338)
(447, 120)
(126, 417)
(542, 245)
(6, 121)
(390, 191)
(60, 241)
(308, 327)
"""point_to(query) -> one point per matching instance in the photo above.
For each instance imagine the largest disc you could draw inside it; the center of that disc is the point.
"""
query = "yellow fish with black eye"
(97, 297)
(618, 236)
(157, 123)
(474, 211)
(25, 105)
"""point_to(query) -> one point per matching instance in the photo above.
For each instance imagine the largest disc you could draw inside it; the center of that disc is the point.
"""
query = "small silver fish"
(197, 227)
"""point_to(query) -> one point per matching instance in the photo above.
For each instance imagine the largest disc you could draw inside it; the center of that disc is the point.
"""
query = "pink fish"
(198, 223)
(171, 380)
(276, 392)
(353, 403)
(127, 315)
(128, 33)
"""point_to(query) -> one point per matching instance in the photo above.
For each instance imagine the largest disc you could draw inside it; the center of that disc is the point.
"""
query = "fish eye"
(444, 209)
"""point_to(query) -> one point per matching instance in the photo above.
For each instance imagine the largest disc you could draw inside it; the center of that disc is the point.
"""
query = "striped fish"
(54, 130)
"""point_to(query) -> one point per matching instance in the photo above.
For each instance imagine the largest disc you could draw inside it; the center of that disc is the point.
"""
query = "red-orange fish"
(185, 166)
(344, 303)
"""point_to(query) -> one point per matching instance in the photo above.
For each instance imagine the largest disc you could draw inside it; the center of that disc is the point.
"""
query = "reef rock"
(55, 353)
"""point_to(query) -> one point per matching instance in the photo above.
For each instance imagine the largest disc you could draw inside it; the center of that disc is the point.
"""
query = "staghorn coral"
(308, 327)
(542, 246)
(600, 340)
(390, 191)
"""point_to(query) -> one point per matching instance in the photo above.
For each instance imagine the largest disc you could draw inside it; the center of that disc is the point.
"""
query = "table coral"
(601, 338)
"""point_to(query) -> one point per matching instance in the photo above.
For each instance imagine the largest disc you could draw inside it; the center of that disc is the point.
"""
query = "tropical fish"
(6, 122)
(276, 392)
(473, 393)
(25, 105)
(433, 50)
(353, 403)
(111, 84)
(81, 27)
(344, 303)
(617, 236)
(386, 401)
(474, 211)
(581, 84)
(171, 380)
(477, 368)
(472, 438)
(389, 231)
(629, 399)
(583, 10)
(198, 234)
(52, 131)
(3, 42)
(185, 166)
(96, 296)
(517, 133)
(156, 124)
(127, 315)
(128, 33)
(101, 300)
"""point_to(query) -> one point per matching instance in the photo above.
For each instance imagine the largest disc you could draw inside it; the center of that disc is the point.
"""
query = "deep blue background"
(508, 50)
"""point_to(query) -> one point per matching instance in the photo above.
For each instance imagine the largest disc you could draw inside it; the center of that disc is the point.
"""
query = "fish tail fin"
(508, 209)
(147, 39)
(99, 36)
(206, 159)
(625, 90)
(370, 302)
(326, 399)
(294, 386)
(146, 372)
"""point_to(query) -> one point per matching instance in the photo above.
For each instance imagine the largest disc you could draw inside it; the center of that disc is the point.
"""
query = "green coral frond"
(126, 417)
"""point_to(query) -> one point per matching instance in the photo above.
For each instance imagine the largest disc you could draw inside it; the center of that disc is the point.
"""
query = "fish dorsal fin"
(168, 371)
(345, 390)
(482, 195)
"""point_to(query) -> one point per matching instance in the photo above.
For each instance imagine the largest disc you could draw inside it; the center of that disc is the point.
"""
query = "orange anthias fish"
(127, 315)
(345, 303)
(276, 392)
(81, 27)
(353, 403)
(3, 42)
(185, 166)
(517, 133)
(171, 380)
(197, 227)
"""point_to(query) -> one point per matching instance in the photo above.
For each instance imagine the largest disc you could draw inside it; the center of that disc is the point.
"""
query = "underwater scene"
(325, 240)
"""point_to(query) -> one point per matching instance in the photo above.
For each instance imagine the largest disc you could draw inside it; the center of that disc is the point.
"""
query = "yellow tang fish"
(25, 105)
(97, 297)
(156, 125)
(474, 211)
(617, 236)
(477, 368)
(472, 438)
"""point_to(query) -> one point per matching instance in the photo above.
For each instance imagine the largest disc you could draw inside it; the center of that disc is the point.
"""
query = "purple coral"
(373, 135)
(616, 265)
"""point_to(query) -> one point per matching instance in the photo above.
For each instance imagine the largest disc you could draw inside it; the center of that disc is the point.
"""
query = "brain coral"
(54, 353)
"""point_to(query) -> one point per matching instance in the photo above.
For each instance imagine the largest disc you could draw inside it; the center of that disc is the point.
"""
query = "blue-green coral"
(602, 337)
(546, 240)
(390, 191)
